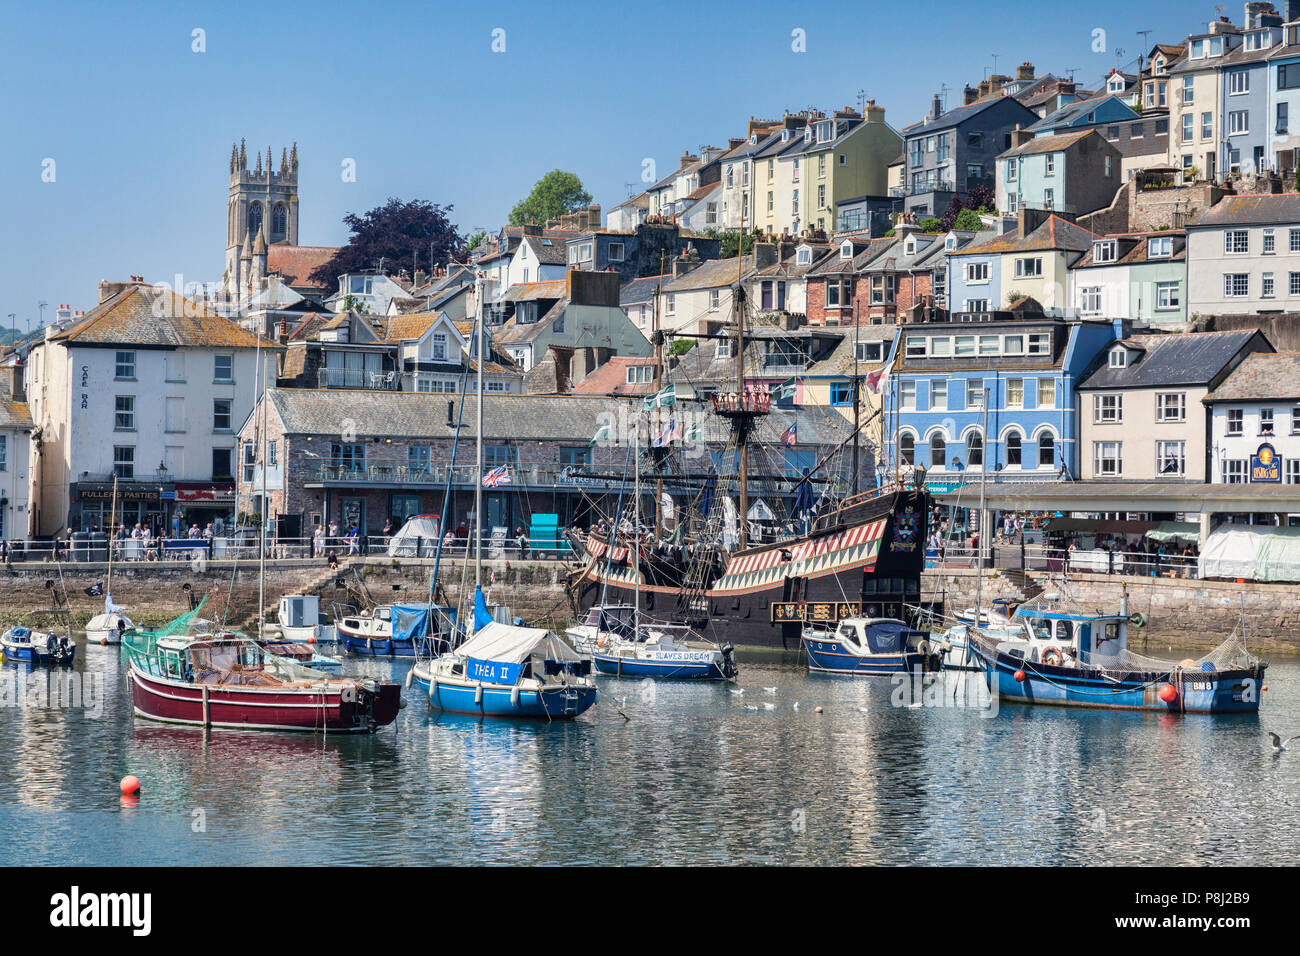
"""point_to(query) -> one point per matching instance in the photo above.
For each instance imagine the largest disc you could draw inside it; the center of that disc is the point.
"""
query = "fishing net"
(143, 640)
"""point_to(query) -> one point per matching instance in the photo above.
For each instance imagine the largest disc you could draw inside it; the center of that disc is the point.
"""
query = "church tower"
(263, 205)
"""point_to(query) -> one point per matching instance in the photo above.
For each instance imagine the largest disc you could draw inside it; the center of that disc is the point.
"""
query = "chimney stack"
(1020, 136)
(684, 263)
(1025, 71)
(969, 95)
(936, 107)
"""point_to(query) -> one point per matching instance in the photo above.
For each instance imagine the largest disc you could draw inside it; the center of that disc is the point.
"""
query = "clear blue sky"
(140, 126)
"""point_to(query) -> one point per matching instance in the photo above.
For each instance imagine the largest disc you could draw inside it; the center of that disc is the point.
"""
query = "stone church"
(262, 227)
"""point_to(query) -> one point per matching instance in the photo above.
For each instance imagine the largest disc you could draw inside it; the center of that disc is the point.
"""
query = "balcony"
(935, 186)
(357, 378)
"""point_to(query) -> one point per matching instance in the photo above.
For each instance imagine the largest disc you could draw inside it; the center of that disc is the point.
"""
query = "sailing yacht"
(108, 628)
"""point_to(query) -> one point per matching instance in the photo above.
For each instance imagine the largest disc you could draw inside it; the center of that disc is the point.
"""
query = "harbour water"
(697, 775)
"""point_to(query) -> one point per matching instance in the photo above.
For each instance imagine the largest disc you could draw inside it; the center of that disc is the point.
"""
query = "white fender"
(478, 694)
(514, 696)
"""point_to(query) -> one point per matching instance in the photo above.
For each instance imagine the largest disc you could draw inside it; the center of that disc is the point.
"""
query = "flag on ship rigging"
(876, 380)
(499, 475)
(665, 396)
(786, 389)
(791, 435)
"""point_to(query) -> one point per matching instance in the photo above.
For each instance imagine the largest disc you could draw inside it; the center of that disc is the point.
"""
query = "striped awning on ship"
(596, 548)
(623, 576)
(853, 548)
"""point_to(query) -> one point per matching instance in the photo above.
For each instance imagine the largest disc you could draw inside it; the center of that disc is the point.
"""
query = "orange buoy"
(130, 785)
(1168, 693)
(1019, 676)
(311, 640)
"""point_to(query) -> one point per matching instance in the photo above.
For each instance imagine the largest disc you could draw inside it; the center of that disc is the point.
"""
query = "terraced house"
(1028, 262)
(1026, 365)
(1141, 277)
(1243, 256)
(1074, 172)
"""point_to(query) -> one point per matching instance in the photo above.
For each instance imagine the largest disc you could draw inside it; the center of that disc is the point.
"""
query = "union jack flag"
(497, 476)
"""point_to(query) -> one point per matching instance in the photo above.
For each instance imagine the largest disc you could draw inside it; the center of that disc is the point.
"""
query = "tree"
(981, 199)
(730, 239)
(475, 240)
(931, 225)
(554, 194)
(398, 233)
(968, 220)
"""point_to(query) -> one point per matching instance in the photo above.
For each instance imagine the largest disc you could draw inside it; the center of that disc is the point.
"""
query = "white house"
(147, 387)
(15, 445)
(1255, 421)
(1243, 256)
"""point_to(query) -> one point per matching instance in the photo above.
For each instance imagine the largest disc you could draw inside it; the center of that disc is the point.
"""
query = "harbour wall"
(1181, 613)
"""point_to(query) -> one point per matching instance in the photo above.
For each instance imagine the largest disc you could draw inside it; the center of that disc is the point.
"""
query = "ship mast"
(743, 432)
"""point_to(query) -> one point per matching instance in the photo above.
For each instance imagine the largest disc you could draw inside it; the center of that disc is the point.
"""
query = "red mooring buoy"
(130, 785)
(1019, 676)
(1168, 693)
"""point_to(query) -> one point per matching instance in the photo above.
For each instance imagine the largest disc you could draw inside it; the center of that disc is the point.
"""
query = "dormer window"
(753, 139)
(785, 136)
(846, 250)
(1103, 251)
(909, 247)
(1119, 357)
(1160, 248)
(804, 256)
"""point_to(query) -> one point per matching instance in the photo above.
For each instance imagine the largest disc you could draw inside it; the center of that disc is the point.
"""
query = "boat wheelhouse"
(1066, 655)
(873, 646)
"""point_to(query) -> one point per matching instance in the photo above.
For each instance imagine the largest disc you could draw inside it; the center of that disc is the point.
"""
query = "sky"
(117, 131)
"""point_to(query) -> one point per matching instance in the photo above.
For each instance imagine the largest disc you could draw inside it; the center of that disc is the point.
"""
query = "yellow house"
(845, 156)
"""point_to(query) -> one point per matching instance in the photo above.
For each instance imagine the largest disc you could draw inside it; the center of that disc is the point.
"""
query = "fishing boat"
(302, 653)
(1001, 613)
(505, 670)
(1066, 655)
(870, 646)
(371, 633)
(298, 619)
(232, 682)
(27, 646)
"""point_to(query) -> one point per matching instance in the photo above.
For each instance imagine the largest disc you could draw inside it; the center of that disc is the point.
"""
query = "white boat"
(298, 618)
(614, 618)
(108, 628)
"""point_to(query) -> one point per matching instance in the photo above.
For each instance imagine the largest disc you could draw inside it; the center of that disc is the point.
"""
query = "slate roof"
(1068, 114)
(865, 250)
(957, 116)
(530, 291)
(1136, 253)
(789, 267)
(637, 291)
(1055, 233)
(411, 415)
(1050, 144)
(711, 274)
(14, 414)
(1263, 376)
(153, 316)
(276, 295)
(893, 258)
(1250, 210)
(1186, 358)
(548, 255)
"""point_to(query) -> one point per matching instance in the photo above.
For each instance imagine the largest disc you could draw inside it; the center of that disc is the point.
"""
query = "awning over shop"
(1188, 531)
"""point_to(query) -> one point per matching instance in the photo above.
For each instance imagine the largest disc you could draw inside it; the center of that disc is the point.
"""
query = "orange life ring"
(1052, 656)
(602, 642)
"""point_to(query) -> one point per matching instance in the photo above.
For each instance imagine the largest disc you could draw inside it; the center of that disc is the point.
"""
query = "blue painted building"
(1028, 366)
(1085, 114)
(1247, 124)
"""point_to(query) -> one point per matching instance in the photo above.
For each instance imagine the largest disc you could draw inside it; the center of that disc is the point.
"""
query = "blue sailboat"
(507, 670)
(1072, 657)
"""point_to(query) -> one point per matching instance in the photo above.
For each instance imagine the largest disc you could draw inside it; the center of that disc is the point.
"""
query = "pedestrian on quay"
(318, 542)
(333, 560)
(354, 540)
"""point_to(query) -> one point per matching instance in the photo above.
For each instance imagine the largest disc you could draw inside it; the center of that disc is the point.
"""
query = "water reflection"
(697, 775)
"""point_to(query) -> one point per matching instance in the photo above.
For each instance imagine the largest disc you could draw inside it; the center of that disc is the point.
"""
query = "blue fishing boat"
(869, 646)
(1066, 655)
(662, 651)
(26, 646)
(372, 633)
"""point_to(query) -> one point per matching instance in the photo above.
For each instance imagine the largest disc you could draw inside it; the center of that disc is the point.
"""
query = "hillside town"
(1085, 300)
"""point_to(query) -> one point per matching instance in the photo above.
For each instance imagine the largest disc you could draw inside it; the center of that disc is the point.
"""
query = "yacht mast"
(478, 484)
(982, 532)
(261, 530)
(743, 517)
(636, 527)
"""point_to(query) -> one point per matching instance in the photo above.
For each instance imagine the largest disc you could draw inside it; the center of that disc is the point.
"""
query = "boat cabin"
(613, 618)
(1066, 637)
(879, 635)
(299, 610)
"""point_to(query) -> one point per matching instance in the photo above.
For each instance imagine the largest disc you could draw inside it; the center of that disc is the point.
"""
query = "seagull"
(751, 707)
(770, 690)
(863, 710)
(769, 706)
(738, 693)
(796, 705)
(1279, 745)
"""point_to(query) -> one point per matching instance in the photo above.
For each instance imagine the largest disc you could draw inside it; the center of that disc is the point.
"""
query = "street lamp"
(162, 506)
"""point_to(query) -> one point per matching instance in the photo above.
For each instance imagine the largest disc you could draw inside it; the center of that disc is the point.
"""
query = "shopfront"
(202, 503)
(93, 506)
